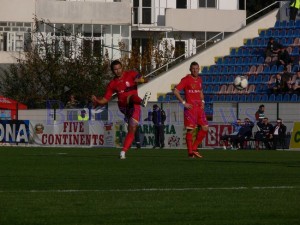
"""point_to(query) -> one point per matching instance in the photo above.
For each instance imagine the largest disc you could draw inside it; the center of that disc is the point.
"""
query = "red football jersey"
(123, 86)
(192, 88)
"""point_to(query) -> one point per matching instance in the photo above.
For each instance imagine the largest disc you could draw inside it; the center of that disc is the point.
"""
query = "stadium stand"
(249, 60)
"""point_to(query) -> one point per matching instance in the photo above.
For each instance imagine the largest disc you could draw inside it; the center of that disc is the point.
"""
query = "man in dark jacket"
(264, 133)
(158, 119)
(245, 133)
(279, 133)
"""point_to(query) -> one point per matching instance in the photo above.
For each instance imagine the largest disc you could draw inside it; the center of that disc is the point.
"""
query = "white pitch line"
(151, 189)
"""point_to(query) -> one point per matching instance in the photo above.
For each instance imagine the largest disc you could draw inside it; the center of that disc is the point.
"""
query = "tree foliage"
(47, 73)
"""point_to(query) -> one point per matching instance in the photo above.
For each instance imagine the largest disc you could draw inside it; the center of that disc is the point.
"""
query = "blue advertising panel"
(14, 131)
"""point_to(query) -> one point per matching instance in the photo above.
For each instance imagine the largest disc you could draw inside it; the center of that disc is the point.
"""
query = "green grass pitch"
(69, 186)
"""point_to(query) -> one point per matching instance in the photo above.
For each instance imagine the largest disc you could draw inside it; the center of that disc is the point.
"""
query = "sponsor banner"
(295, 138)
(14, 131)
(173, 135)
(79, 133)
(214, 133)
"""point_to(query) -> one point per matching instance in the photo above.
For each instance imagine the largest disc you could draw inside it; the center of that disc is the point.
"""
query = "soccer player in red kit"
(124, 84)
(194, 114)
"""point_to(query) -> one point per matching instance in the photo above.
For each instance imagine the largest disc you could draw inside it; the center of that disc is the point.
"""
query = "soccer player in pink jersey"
(124, 84)
(194, 114)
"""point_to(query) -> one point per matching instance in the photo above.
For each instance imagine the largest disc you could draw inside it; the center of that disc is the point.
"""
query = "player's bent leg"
(200, 136)
(135, 99)
(146, 98)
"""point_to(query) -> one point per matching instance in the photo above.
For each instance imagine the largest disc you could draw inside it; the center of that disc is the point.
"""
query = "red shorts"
(132, 112)
(194, 117)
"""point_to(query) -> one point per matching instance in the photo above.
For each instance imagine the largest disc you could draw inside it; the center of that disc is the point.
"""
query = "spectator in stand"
(294, 7)
(283, 58)
(264, 133)
(273, 47)
(279, 85)
(72, 103)
(230, 138)
(260, 113)
(296, 85)
(279, 133)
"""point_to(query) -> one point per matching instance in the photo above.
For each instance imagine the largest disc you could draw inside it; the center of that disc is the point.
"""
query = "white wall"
(228, 4)
(66, 11)
(205, 19)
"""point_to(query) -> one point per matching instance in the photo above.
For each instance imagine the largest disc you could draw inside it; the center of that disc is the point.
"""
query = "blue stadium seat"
(295, 51)
(280, 69)
(278, 98)
(294, 98)
(235, 98)
(273, 69)
(289, 41)
(208, 89)
(257, 98)
(262, 33)
(283, 24)
(233, 52)
(216, 88)
(264, 98)
(266, 69)
(248, 42)
(286, 97)
(215, 98)
(249, 98)
(167, 98)
(223, 79)
(251, 79)
(265, 78)
(246, 52)
(219, 61)
(258, 79)
(238, 70)
(160, 98)
(209, 79)
(239, 52)
(295, 67)
(296, 33)
(290, 24)
(297, 24)
(221, 98)
(261, 60)
(230, 79)
(289, 33)
(242, 98)
(228, 98)
(272, 98)
(204, 70)
(254, 60)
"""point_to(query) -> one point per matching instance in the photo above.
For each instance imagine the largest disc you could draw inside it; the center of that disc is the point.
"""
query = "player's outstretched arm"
(141, 80)
(99, 100)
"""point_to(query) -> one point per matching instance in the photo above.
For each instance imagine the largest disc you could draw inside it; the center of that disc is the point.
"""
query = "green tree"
(47, 71)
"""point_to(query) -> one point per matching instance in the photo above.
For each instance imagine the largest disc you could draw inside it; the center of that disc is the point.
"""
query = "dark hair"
(261, 106)
(194, 64)
(113, 63)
